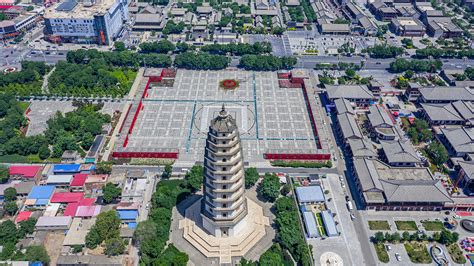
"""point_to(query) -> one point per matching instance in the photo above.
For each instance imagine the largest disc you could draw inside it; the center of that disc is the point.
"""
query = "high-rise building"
(224, 204)
(86, 21)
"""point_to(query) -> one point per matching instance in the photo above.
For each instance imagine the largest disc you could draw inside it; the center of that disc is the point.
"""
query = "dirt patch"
(53, 244)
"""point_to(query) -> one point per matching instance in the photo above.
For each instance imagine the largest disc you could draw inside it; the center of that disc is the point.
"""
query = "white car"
(397, 255)
(388, 247)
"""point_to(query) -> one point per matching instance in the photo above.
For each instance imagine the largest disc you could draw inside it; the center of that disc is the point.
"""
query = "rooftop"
(399, 152)
(41, 192)
(67, 197)
(379, 116)
(349, 92)
(441, 112)
(309, 194)
(349, 126)
(27, 171)
(73, 9)
(447, 93)
(461, 139)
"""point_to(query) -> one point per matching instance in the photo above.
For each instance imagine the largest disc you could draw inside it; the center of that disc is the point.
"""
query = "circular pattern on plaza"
(229, 84)
(330, 259)
(9, 70)
(468, 225)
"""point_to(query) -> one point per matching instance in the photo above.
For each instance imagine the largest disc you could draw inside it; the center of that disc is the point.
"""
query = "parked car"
(388, 247)
(398, 257)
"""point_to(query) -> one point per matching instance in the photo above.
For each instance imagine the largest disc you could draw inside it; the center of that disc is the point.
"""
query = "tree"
(27, 227)
(447, 237)
(195, 177)
(406, 236)
(251, 177)
(145, 231)
(37, 253)
(3, 175)
(104, 168)
(285, 189)
(273, 256)
(114, 246)
(111, 192)
(77, 249)
(378, 238)
(11, 208)
(9, 194)
(93, 239)
(384, 51)
(106, 227)
(437, 153)
(167, 171)
(44, 152)
(119, 46)
(8, 232)
(270, 187)
(350, 72)
(396, 237)
(201, 61)
(163, 46)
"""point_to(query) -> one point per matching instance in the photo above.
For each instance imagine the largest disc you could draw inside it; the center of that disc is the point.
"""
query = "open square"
(271, 119)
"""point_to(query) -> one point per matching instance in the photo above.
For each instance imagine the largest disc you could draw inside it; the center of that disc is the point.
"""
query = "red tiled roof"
(28, 171)
(71, 209)
(23, 216)
(66, 197)
(87, 201)
(88, 211)
(78, 180)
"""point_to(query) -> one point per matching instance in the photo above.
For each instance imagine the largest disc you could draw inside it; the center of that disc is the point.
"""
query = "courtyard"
(176, 117)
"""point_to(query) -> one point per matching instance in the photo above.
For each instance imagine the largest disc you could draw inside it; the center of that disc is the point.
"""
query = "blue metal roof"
(309, 194)
(127, 214)
(41, 202)
(66, 6)
(67, 168)
(41, 192)
(329, 223)
(310, 224)
(132, 225)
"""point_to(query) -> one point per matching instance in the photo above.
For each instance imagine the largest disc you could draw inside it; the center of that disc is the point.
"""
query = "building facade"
(224, 205)
(88, 23)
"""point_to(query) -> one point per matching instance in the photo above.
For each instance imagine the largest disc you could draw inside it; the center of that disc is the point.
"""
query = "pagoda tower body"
(224, 205)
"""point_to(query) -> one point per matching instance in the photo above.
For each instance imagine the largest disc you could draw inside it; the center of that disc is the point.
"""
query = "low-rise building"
(465, 177)
(358, 94)
(348, 127)
(381, 123)
(458, 141)
(386, 13)
(441, 114)
(407, 26)
(398, 188)
(46, 223)
(442, 27)
(361, 148)
(399, 153)
(334, 29)
(309, 194)
(445, 94)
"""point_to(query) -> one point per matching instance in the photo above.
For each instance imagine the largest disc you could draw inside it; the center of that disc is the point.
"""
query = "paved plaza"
(270, 119)
(42, 111)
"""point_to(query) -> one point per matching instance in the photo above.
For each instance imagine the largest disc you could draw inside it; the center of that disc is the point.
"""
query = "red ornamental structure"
(229, 84)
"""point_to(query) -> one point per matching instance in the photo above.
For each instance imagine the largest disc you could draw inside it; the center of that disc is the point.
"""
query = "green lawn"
(456, 254)
(379, 225)
(322, 230)
(406, 225)
(381, 252)
(23, 106)
(418, 252)
(432, 225)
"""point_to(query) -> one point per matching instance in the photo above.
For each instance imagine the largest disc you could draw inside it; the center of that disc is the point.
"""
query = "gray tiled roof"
(343, 106)
(441, 112)
(398, 184)
(415, 191)
(447, 93)
(465, 109)
(399, 152)
(379, 116)
(349, 126)
(468, 168)
(349, 92)
(362, 148)
(462, 139)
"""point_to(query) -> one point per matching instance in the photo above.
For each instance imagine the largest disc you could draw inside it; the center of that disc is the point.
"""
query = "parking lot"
(327, 44)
